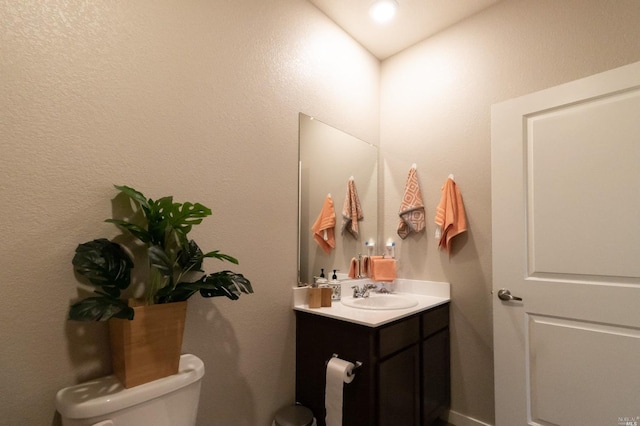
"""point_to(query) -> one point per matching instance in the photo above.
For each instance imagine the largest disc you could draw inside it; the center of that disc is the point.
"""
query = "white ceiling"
(415, 21)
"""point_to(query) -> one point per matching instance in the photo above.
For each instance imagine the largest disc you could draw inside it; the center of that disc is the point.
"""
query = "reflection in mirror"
(328, 158)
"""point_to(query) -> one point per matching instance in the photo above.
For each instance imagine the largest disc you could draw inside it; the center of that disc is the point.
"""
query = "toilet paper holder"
(356, 364)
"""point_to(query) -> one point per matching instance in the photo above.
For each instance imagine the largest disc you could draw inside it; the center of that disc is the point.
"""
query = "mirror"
(327, 159)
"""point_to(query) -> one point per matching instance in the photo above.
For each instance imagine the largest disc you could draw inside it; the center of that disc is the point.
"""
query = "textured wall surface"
(201, 101)
(436, 99)
(194, 99)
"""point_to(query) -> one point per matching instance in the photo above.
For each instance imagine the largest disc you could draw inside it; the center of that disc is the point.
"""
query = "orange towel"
(370, 264)
(323, 228)
(351, 210)
(353, 268)
(450, 216)
(383, 270)
(365, 266)
(412, 217)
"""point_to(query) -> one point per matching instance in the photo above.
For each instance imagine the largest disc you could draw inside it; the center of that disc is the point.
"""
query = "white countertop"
(427, 293)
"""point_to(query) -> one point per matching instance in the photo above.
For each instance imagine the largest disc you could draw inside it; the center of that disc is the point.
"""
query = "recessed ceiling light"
(383, 10)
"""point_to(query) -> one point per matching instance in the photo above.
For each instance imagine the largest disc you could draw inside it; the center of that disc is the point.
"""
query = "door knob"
(505, 294)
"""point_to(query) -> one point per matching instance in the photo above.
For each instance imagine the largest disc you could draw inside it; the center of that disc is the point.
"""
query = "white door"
(566, 239)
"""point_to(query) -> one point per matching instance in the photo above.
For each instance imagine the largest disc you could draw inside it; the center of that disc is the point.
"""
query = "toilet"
(170, 401)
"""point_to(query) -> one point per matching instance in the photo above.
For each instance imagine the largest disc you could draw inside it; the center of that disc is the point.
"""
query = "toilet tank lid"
(107, 395)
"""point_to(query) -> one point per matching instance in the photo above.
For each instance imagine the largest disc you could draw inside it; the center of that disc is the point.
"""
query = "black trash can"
(295, 415)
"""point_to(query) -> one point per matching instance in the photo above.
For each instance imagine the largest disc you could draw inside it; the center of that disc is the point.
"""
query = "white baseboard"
(458, 419)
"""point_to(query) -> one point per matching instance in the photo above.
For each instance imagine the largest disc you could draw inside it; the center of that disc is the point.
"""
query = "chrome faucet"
(364, 292)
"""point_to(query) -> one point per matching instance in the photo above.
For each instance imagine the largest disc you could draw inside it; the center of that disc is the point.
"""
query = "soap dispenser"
(321, 280)
(335, 286)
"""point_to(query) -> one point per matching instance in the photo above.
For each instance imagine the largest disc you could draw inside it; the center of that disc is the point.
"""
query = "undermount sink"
(380, 302)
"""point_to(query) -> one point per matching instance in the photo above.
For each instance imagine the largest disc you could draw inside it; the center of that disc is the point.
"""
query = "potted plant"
(175, 273)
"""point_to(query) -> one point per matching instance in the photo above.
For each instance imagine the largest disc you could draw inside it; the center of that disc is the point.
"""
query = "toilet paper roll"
(339, 372)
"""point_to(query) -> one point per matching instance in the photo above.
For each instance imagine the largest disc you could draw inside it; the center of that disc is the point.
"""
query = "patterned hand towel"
(323, 228)
(450, 215)
(412, 217)
(351, 210)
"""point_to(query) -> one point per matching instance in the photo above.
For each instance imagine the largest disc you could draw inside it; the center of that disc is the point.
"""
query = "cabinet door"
(435, 376)
(317, 339)
(399, 389)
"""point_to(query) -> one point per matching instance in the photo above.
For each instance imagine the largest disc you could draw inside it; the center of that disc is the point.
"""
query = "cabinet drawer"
(434, 320)
(398, 336)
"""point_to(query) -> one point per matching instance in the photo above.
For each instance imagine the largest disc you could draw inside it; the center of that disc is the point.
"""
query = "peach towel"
(450, 216)
(323, 228)
(383, 270)
(353, 268)
(365, 266)
(412, 216)
(351, 210)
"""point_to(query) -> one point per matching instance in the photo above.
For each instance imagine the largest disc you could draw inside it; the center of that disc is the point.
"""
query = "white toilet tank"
(170, 401)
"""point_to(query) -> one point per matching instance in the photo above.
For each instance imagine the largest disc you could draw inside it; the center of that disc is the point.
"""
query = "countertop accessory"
(314, 297)
(325, 296)
(336, 290)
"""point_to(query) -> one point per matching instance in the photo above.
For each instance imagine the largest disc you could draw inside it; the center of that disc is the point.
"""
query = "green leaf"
(105, 264)
(182, 217)
(113, 292)
(159, 260)
(135, 230)
(157, 219)
(187, 214)
(165, 219)
(172, 256)
(221, 256)
(180, 293)
(224, 283)
(190, 257)
(161, 274)
(156, 225)
(100, 309)
(135, 195)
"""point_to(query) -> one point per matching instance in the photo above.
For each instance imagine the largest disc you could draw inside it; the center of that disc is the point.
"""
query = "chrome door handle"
(504, 294)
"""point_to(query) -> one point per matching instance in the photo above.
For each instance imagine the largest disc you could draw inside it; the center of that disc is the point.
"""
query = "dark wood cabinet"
(399, 389)
(404, 379)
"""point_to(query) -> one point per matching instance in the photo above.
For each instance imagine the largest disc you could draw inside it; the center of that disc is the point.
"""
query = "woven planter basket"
(148, 347)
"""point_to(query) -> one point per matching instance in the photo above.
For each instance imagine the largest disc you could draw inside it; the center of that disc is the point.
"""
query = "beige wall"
(201, 101)
(436, 100)
(195, 99)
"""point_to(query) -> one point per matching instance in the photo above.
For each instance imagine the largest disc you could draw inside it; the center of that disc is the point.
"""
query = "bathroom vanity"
(404, 377)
